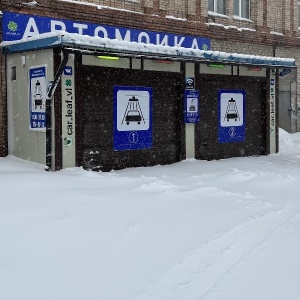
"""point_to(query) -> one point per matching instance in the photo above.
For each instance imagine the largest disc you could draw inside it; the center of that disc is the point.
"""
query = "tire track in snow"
(196, 275)
(266, 292)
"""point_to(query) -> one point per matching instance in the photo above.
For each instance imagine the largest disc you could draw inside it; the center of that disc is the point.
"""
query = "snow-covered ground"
(218, 230)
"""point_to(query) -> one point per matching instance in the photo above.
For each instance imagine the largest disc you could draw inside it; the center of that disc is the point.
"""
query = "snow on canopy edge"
(97, 43)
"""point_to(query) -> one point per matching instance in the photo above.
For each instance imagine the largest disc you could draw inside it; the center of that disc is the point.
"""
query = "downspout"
(49, 98)
(274, 47)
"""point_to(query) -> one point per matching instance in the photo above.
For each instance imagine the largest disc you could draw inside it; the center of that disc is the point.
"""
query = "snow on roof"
(84, 42)
(230, 26)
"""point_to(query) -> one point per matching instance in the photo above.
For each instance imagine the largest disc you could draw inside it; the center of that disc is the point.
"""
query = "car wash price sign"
(191, 106)
(132, 118)
(231, 116)
(37, 98)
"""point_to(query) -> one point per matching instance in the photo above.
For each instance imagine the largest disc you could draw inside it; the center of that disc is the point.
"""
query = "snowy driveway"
(194, 230)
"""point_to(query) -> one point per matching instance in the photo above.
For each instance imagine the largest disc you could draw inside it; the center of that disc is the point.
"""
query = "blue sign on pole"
(132, 117)
(189, 83)
(37, 98)
(191, 106)
(231, 116)
(68, 70)
(20, 26)
(285, 72)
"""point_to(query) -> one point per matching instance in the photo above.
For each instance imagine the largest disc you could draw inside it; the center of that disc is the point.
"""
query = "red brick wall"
(150, 21)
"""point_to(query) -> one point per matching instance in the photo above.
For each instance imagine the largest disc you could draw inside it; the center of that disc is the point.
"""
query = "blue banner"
(231, 116)
(191, 106)
(20, 26)
(37, 98)
(132, 117)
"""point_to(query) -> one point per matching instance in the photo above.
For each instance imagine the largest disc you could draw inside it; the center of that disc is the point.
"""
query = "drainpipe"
(274, 48)
(49, 98)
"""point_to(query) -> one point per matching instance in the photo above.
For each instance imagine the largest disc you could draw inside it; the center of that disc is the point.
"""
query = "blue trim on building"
(37, 44)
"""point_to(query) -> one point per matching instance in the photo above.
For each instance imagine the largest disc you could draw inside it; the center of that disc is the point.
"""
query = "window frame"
(216, 7)
(240, 2)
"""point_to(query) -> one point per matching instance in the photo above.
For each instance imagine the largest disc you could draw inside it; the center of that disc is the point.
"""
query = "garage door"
(95, 109)
(208, 146)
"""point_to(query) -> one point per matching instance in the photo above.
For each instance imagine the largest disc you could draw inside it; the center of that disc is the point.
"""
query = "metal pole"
(50, 95)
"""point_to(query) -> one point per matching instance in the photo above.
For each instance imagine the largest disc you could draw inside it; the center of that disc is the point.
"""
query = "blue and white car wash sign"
(132, 118)
(37, 98)
(191, 106)
(20, 26)
(231, 116)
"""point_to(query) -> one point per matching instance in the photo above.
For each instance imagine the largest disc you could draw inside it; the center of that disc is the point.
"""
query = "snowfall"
(209, 230)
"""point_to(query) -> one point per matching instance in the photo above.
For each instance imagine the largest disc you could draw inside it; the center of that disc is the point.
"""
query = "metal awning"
(97, 46)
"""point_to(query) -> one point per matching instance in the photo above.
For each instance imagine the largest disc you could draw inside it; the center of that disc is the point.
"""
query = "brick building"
(262, 28)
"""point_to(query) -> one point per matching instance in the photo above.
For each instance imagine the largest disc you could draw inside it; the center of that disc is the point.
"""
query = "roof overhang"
(96, 45)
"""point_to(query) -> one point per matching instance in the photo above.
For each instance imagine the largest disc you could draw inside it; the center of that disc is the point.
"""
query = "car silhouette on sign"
(133, 116)
(232, 112)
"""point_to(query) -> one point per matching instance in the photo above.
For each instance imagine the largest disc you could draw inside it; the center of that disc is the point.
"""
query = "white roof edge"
(80, 41)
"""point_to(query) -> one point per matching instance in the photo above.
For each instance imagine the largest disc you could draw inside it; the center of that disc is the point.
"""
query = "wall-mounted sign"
(132, 118)
(231, 116)
(284, 72)
(191, 106)
(68, 113)
(20, 26)
(190, 83)
(272, 109)
(37, 98)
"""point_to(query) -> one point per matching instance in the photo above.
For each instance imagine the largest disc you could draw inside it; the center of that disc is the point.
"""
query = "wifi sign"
(189, 83)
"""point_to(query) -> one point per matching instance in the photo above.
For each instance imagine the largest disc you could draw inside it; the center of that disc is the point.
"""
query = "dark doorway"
(285, 110)
(95, 108)
(207, 146)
